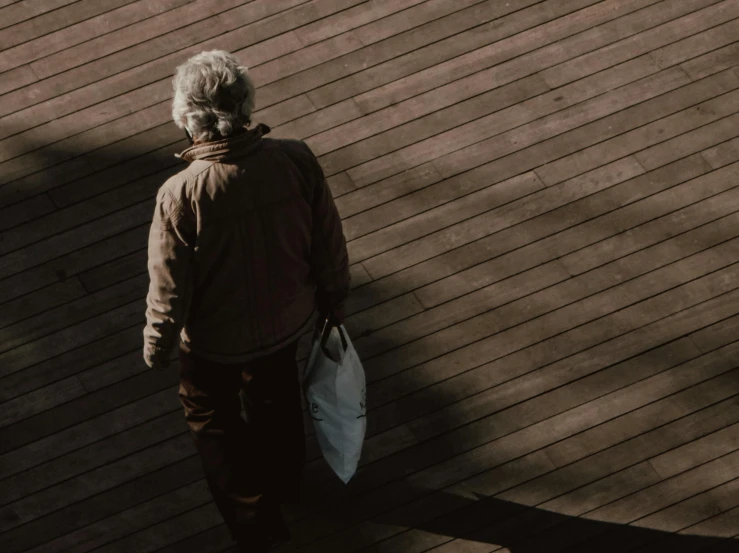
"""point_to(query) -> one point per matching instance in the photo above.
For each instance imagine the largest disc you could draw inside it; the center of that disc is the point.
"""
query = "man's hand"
(335, 318)
(156, 358)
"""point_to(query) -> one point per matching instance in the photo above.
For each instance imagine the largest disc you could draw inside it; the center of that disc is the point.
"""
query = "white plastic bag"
(335, 391)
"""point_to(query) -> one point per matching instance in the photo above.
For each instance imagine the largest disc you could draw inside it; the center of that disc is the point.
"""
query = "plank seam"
(690, 81)
(402, 478)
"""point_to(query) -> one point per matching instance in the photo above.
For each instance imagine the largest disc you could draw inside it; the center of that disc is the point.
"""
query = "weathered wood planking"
(540, 205)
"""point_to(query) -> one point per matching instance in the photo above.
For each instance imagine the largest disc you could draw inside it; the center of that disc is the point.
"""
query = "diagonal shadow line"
(515, 528)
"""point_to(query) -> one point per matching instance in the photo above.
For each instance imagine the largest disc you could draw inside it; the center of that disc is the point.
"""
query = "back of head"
(213, 96)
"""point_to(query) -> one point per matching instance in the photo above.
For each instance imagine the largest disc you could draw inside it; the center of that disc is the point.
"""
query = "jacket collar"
(227, 148)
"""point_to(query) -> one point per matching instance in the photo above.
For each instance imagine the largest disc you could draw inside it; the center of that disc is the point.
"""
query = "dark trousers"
(251, 467)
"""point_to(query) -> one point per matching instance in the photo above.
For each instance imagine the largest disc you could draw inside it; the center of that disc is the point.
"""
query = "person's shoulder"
(178, 183)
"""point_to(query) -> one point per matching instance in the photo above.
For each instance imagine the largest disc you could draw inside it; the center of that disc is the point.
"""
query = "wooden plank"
(305, 58)
(135, 35)
(521, 168)
(135, 67)
(497, 244)
(115, 271)
(146, 408)
(397, 400)
(657, 437)
(88, 141)
(717, 335)
(712, 62)
(639, 138)
(278, 114)
(150, 152)
(103, 505)
(49, 297)
(124, 220)
(35, 48)
(136, 519)
(215, 540)
(472, 382)
(135, 189)
(359, 200)
(689, 143)
(650, 439)
(98, 480)
(382, 262)
(723, 525)
(595, 464)
(158, 114)
(541, 59)
(583, 445)
(155, 96)
(168, 532)
(716, 472)
(373, 67)
(696, 48)
(697, 452)
(352, 18)
(59, 269)
(511, 526)
(519, 132)
(426, 103)
(714, 528)
(74, 362)
(710, 16)
(262, 72)
(450, 209)
(486, 480)
(561, 535)
(73, 312)
(37, 206)
(721, 155)
(506, 448)
(78, 122)
(21, 11)
(423, 117)
(393, 402)
(46, 398)
(59, 19)
(474, 229)
(98, 453)
(457, 181)
(303, 127)
(567, 131)
(414, 355)
(17, 78)
(348, 131)
(512, 367)
(74, 336)
(716, 208)
(464, 55)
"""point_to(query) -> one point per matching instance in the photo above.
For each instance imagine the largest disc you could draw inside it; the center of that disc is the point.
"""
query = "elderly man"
(245, 245)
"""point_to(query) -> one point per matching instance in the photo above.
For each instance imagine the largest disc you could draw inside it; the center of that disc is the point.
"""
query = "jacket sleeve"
(329, 257)
(170, 289)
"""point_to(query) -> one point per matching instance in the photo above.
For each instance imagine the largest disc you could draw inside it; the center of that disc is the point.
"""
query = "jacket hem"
(236, 358)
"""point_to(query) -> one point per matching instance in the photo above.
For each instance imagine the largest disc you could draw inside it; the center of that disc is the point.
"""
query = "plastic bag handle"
(327, 331)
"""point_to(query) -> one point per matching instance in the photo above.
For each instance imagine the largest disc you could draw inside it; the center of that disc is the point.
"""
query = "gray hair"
(213, 95)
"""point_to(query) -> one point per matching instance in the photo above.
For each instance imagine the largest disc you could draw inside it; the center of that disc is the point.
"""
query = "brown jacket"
(245, 244)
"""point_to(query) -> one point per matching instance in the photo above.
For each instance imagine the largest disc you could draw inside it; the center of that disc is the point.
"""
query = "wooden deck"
(541, 202)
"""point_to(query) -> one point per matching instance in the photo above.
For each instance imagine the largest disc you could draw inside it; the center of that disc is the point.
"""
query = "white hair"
(213, 95)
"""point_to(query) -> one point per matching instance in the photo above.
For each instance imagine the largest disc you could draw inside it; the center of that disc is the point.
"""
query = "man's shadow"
(516, 528)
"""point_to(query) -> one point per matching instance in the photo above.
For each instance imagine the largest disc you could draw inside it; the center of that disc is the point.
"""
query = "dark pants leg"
(250, 467)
